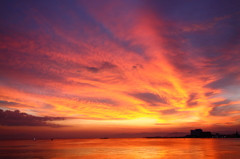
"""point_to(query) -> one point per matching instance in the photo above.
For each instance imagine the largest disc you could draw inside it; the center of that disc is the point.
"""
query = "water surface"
(167, 148)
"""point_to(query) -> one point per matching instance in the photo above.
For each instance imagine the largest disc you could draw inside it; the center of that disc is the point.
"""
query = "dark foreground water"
(122, 148)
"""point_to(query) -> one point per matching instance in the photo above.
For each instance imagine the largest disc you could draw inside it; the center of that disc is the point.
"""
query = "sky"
(122, 68)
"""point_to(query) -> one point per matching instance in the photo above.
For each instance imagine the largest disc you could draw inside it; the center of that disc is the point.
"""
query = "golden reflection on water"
(168, 148)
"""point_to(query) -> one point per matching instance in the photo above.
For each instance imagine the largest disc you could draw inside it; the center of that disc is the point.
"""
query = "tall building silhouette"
(200, 133)
(196, 132)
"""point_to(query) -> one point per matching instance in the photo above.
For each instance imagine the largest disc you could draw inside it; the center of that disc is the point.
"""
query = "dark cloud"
(228, 110)
(226, 101)
(6, 103)
(92, 69)
(104, 66)
(134, 67)
(150, 98)
(209, 94)
(137, 66)
(192, 104)
(224, 82)
(191, 98)
(108, 65)
(16, 118)
(169, 111)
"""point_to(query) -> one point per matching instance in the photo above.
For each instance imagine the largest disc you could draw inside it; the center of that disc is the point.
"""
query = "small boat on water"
(104, 138)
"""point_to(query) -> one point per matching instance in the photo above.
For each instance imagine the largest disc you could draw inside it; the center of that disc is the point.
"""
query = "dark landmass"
(198, 133)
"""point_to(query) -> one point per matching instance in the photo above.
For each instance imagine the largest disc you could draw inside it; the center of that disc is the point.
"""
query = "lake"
(167, 148)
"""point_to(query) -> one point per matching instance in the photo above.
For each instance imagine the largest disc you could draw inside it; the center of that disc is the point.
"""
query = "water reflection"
(122, 148)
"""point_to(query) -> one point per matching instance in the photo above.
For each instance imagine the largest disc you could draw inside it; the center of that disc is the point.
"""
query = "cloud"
(228, 110)
(169, 111)
(6, 103)
(190, 101)
(209, 94)
(226, 101)
(16, 118)
(92, 69)
(137, 67)
(224, 82)
(104, 66)
(150, 98)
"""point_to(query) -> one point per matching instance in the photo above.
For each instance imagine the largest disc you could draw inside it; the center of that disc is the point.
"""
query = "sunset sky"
(95, 68)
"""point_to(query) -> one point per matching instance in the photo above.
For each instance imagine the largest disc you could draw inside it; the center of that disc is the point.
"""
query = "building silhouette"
(237, 135)
(196, 132)
(200, 133)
